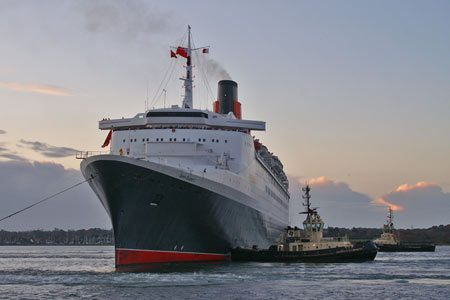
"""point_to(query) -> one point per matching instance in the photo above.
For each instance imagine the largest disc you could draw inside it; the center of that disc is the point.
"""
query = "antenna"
(146, 103)
(165, 91)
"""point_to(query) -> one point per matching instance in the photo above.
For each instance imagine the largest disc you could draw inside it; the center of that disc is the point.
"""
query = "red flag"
(172, 54)
(205, 50)
(108, 139)
(182, 52)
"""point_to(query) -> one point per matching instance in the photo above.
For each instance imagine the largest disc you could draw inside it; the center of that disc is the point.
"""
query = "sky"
(355, 96)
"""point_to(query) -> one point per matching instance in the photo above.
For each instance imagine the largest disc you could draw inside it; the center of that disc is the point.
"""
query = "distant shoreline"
(438, 235)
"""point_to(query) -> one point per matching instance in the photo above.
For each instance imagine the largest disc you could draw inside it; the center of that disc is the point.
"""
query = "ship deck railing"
(86, 154)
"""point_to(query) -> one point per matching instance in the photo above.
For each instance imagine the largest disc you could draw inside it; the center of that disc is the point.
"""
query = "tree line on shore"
(93, 236)
(439, 235)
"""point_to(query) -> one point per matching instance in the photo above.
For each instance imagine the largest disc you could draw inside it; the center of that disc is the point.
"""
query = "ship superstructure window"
(185, 114)
(157, 140)
(135, 140)
(147, 139)
(204, 140)
(199, 140)
(170, 139)
(175, 139)
(143, 140)
(184, 140)
(124, 140)
(226, 141)
(212, 140)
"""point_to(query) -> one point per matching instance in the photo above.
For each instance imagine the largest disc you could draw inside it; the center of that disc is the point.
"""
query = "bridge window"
(177, 114)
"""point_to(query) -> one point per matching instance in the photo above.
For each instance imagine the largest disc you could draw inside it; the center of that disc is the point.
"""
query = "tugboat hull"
(359, 253)
(407, 248)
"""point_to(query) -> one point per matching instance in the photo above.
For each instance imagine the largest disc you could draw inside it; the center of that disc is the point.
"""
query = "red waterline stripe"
(131, 257)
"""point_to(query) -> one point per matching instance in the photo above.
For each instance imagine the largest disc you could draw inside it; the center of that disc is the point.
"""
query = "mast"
(390, 217)
(188, 97)
(307, 203)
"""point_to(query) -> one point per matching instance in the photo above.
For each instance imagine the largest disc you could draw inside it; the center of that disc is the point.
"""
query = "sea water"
(87, 272)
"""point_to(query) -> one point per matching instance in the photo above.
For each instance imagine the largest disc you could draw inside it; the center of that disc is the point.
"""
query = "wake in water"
(87, 272)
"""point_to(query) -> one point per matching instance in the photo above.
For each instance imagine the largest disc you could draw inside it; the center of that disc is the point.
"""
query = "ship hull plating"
(161, 219)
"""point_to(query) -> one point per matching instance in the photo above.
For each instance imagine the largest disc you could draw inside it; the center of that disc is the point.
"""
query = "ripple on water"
(88, 272)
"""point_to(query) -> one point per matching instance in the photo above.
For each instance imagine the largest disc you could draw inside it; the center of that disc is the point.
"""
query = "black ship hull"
(407, 248)
(161, 220)
(359, 253)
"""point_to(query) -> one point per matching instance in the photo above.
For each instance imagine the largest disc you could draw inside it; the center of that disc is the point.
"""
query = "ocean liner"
(184, 185)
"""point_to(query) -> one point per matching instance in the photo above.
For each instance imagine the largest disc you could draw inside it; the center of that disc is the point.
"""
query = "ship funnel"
(227, 98)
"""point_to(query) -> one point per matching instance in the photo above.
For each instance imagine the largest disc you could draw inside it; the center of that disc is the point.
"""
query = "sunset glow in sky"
(355, 94)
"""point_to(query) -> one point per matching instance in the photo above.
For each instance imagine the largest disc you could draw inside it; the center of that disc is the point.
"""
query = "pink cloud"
(319, 180)
(7, 70)
(393, 206)
(36, 88)
(422, 184)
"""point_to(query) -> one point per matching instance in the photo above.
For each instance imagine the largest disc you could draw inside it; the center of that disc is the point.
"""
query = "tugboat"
(309, 246)
(388, 242)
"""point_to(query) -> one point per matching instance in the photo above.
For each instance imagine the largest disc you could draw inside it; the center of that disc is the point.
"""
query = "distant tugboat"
(388, 242)
(311, 246)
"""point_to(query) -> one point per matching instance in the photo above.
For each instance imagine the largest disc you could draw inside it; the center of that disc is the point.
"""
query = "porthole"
(217, 141)
(226, 141)
(199, 140)
(170, 139)
(184, 140)
(175, 139)
(124, 140)
(131, 140)
(212, 140)
(162, 139)
(135, 140)
(204, 140)
(147, 139)
(143, 140)
(157, 140)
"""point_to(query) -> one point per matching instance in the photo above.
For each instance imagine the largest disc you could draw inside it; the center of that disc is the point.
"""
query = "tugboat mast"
(188, 97)
(307, 203)
(390, 217)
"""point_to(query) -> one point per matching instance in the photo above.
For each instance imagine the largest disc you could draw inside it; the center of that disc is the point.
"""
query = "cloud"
(339, 205)
(391, 205)
(36, 88)
(11, 155)
(424, 204)
(7, 70)
(2, 131)
(24, 183)
(422, 184)
(48, 150)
